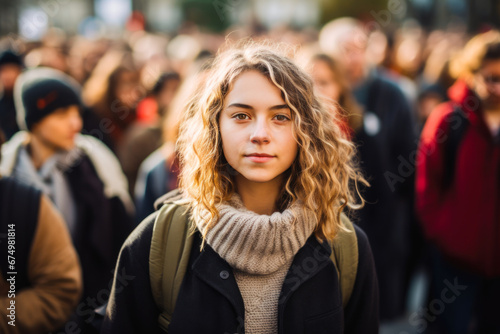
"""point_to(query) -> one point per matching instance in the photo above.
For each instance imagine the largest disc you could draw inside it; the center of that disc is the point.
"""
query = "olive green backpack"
(171, 246)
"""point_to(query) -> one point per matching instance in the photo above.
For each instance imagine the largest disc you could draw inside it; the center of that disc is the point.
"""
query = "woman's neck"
(259, 197)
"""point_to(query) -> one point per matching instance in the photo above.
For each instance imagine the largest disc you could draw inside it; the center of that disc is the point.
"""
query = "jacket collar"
(103, 160)
(309, 260)
(10, 152)
(217, 273)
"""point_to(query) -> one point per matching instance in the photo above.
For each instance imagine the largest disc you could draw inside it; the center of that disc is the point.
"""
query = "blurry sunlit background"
(139, 40)
(31, 18)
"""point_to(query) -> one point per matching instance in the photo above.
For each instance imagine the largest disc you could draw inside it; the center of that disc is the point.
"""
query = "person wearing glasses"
(458, 192)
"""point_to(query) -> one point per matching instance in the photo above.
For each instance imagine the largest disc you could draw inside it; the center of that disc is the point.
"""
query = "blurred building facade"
(29, 18)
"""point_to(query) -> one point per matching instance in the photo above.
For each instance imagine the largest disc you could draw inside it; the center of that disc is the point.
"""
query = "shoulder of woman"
(142, 234)
(363, 242)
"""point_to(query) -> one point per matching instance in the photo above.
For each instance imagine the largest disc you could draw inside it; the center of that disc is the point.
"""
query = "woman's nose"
(260, 133)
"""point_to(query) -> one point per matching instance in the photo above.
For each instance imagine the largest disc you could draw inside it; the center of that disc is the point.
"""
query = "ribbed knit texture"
(260, 294)
(260, 249)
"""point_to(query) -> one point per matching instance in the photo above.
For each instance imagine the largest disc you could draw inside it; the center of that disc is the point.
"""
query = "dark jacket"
(385, 144)
(157, 182)
(210, 302)
(102, 225)
(47, 274)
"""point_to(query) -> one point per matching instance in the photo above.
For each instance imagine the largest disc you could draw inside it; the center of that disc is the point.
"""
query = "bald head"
(345, 40)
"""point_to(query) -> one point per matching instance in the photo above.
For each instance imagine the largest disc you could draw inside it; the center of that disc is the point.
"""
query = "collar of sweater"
(258, 244)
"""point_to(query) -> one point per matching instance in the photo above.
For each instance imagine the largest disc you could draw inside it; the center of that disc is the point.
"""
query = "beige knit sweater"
(260, 249)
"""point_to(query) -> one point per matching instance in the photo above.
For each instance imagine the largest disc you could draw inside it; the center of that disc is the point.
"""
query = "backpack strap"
(168, 259)
(345, 257)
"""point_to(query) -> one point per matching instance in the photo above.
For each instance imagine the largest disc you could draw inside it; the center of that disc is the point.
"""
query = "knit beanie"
(41, 91)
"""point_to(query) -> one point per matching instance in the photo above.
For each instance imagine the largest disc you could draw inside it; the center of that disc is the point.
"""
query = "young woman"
(332, 85)
(457, 182)
(267, 174)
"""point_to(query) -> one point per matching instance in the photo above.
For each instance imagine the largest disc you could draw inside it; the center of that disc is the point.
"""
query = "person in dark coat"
(266, 174)
(386, 141)
(78, 173)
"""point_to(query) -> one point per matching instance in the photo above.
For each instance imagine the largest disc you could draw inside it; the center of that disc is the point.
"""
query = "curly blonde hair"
(323, 175)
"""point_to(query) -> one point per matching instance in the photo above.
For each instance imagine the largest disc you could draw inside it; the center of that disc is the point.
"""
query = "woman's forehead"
(254, 88)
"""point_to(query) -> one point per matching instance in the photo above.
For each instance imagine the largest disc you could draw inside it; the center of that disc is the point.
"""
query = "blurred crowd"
(130, 93)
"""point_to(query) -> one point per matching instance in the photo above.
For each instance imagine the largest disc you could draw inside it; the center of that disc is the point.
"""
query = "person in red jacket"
(458, 194)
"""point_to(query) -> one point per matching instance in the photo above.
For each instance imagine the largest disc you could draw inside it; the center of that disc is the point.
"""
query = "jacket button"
(224, 274)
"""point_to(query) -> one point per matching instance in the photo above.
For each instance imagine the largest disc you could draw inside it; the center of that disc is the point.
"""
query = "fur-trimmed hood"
(105, 163)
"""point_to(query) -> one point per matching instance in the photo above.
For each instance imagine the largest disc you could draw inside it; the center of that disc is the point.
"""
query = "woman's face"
(257, 130)
(488, 84)
(167, 93)
(325, 81)
(128, 89)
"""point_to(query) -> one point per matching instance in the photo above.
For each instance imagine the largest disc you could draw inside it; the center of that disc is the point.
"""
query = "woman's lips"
(259, 158)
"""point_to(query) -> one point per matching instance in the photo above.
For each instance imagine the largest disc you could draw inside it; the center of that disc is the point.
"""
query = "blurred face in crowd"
(325, 81)
(55, 58)
(257, 130)
(8, 76)
(488, 84)
(128, 90)
(167, 93)
(57, 131)
(352, 56)
(427, 104)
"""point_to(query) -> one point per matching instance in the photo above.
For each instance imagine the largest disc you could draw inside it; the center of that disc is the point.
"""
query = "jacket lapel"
(217, 273)
(308, 261)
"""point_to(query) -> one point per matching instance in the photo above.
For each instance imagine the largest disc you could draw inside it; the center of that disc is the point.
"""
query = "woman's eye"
(240, 117)
(282, 118)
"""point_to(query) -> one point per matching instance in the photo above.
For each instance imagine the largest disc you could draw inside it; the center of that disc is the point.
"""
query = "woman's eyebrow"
(246, 106)
(280, 106)
(240, 105)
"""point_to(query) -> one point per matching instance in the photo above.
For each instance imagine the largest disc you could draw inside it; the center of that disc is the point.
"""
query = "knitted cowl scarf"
(258, 244)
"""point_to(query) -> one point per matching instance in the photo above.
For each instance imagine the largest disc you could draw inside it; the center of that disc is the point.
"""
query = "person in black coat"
(265, 174)
(387, 143)
(136, 311)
